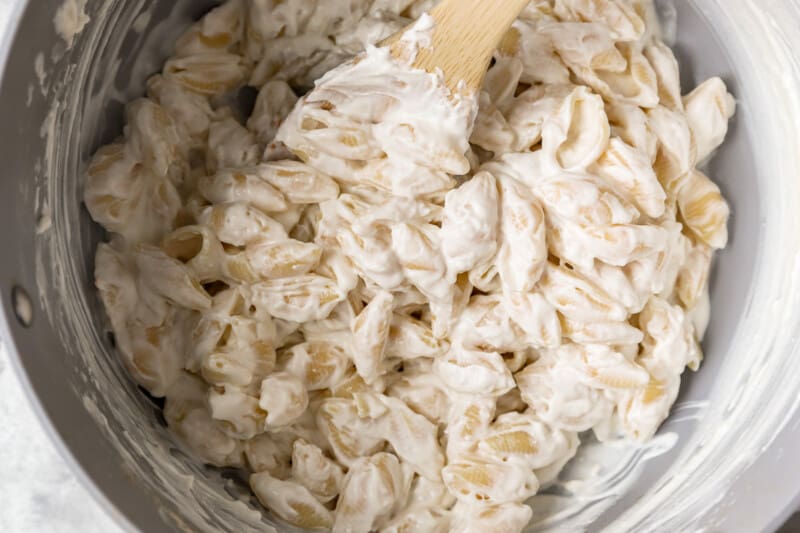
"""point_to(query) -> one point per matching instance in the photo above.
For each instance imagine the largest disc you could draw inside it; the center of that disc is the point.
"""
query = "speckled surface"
(37, 488)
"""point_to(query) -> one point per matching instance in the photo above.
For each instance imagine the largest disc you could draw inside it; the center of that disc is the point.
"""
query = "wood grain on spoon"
(465, 35)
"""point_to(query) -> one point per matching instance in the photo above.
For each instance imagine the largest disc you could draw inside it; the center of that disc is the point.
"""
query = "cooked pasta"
(397, 308)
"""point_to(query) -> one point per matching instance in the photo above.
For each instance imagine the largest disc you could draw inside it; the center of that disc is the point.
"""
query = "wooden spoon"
(465, 36)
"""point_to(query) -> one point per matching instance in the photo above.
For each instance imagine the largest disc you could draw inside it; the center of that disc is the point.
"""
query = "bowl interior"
(73, 103)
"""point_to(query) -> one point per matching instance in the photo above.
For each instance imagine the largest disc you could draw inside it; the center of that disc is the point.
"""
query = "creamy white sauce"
(70, 20)
(772, 296)
(41, 75)
(586, 293)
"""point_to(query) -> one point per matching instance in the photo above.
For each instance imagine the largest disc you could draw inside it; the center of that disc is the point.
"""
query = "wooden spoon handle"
(466, 34)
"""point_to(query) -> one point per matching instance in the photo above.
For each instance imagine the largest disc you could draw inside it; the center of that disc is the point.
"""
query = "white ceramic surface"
(38, 490)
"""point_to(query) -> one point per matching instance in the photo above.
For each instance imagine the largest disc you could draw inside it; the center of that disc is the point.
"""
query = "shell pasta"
(396, 308)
